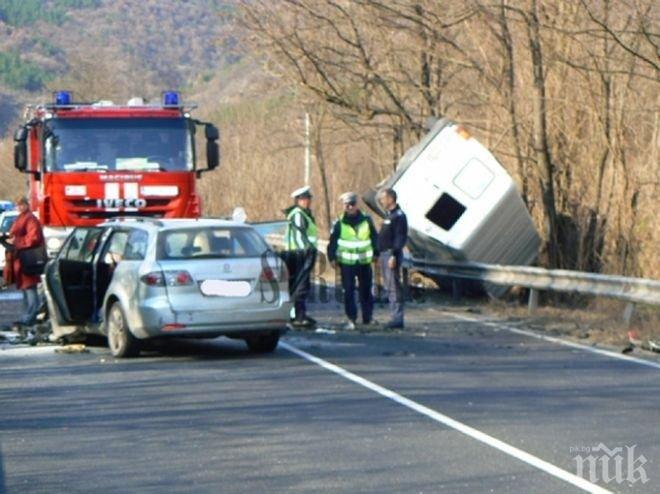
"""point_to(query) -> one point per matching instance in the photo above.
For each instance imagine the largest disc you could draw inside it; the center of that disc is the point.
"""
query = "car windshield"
(210, 243)
(118, 144)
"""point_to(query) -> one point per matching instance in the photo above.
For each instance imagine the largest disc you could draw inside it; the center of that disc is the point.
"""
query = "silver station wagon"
(131, 279)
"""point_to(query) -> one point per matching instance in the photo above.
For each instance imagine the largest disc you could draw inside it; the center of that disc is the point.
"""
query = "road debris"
(19, 334)
(10, 337)
(636, 341)
(74, 348)
(325, 331)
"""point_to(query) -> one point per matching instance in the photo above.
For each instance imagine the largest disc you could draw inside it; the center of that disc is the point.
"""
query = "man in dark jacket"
(391, 240)
(352, 245)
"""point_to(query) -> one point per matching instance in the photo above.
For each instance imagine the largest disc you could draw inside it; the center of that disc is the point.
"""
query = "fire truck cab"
(88, 162)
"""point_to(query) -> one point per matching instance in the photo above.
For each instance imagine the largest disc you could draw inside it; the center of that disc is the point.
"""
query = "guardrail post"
(533, 302)
(628, 313)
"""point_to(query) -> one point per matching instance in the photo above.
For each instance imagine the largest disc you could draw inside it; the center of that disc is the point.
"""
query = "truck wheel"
(120, 340)
(263, 343)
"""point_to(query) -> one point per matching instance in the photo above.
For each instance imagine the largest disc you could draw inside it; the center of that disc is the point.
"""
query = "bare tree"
(566, 93)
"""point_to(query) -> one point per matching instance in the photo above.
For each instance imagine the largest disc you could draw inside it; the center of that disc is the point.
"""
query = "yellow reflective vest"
(296, 239)
(354, 243)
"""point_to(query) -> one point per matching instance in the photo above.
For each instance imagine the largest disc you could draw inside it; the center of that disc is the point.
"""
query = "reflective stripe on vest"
(354, 244)
(295, 239)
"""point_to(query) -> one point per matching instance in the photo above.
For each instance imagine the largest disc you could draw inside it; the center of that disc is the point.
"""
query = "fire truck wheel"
(120, 340)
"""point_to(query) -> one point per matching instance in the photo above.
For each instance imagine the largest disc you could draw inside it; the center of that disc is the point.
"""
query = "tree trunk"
(540, 138)
(511, 97)
(317, 126)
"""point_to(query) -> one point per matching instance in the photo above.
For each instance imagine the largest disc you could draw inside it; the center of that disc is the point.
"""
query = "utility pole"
(307, 150)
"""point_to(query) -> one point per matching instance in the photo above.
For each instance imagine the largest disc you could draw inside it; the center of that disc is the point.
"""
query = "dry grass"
(600, 322)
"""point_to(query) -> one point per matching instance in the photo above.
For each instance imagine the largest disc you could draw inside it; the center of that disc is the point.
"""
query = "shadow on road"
(197, 348)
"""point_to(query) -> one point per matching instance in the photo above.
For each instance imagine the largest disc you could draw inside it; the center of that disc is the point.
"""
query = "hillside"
(126, 47)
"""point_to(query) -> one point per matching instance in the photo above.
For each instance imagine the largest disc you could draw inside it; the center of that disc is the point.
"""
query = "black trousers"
(300, 264)
(364, 276)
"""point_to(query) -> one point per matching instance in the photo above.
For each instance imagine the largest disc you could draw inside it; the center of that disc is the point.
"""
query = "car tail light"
(277, 273)
(173, 327)
(178, 278)
(155, 278)
(267, 274)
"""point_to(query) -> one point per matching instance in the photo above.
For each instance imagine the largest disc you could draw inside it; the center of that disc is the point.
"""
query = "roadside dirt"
(600, 322)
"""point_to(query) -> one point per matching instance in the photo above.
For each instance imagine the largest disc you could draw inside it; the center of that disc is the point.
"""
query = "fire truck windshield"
(118, 144)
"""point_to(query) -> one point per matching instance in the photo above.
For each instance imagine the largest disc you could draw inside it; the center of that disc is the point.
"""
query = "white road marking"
(449, 422)
(560, 341)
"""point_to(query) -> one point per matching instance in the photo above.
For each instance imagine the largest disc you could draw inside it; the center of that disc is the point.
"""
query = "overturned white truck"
(460, 202)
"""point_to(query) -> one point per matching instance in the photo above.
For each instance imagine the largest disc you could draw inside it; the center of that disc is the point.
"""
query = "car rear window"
(210, 243)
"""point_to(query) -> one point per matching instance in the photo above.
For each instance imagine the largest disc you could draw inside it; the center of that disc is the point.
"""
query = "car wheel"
(263, 343)
(120, 340)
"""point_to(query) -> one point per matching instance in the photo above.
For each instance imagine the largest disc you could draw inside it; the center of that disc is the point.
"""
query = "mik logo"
(612, 464)
(121, 203)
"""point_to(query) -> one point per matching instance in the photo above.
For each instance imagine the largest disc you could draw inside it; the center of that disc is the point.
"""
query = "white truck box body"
(461, 203)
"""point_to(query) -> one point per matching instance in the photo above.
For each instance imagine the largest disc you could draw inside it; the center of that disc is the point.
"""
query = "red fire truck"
(88, 162)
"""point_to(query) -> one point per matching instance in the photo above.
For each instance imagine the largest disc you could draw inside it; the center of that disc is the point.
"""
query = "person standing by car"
(391, 241)
(301, 244)
(352, 245)
(26, 233)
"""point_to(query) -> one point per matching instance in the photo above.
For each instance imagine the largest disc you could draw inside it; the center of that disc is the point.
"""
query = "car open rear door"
(71, 276)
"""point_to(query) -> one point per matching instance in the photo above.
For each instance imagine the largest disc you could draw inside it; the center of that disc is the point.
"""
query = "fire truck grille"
(92, 203)
(94, 215)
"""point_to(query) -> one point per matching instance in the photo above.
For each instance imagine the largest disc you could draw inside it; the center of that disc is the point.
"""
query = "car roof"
(173, 223)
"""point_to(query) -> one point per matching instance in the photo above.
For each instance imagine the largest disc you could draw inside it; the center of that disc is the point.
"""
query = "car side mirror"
(20, 149)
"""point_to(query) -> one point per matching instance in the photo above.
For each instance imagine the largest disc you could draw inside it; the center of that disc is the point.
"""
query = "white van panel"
(461, 203)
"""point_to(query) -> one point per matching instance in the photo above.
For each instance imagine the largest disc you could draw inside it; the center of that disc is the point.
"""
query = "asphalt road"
(448, 405)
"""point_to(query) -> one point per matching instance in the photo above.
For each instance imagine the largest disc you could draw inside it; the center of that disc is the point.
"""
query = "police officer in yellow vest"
(352, 245)
(301, 241)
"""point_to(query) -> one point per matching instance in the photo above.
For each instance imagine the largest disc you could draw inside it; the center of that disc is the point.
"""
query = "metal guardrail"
(635, 290)
(638, 290)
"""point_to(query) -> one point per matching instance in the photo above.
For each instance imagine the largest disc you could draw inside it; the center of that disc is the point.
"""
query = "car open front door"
(71, 277)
